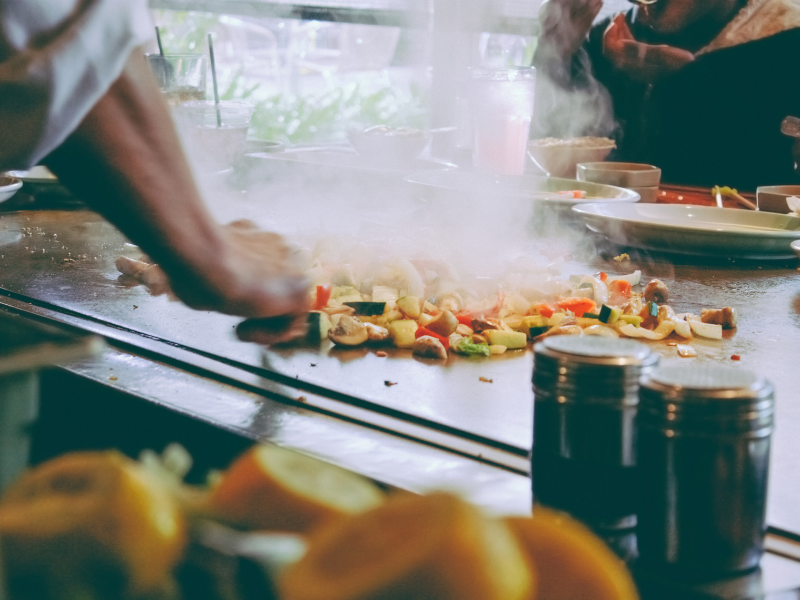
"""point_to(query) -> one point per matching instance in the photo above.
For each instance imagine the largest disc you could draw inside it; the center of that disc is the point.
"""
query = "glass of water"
(181, 77)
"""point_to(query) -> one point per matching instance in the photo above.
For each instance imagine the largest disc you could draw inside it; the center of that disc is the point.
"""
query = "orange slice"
(89, 507)
(412, 548)
(277, 489)
(571, 561)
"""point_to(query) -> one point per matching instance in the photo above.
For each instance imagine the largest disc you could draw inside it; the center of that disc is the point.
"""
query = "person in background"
(696, 87)
(77, 95)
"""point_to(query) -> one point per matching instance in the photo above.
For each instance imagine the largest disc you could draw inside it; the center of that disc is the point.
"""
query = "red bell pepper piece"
(544, 309)
(577, 305)
(603, 276)
(465, 319)
(425, 331)
(323, 296)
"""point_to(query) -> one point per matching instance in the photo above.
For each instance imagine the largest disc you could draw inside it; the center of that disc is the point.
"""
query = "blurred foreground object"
(90, 524)
(272, 488)
(412, 547)
(572, 562)
(25, 347)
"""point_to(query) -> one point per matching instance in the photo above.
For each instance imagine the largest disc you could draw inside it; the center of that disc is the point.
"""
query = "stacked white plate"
(698, 230)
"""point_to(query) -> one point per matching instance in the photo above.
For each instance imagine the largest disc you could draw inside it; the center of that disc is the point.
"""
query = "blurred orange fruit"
(277, 489)
(412, 548)
(572, 562)
(89, 507)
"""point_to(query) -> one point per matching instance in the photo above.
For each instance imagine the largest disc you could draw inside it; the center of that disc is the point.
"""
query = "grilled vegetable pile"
(590, 305)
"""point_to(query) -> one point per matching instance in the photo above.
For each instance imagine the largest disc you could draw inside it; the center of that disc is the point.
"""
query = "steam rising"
(369, 227)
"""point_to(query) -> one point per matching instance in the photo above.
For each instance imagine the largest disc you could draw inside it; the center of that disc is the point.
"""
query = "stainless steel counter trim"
(245, 378)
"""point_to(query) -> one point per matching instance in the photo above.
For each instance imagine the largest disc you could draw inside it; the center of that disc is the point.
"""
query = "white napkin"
(794, 205)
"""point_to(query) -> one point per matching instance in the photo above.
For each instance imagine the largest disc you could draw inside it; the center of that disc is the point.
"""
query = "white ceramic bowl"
(562, 160)
(622, 174)
(796, 247)
(8, 187)
(772, 198)
(389, 145)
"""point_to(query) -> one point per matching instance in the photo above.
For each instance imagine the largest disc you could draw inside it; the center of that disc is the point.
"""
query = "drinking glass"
(502, 107)
(181, 77)
(214, 135)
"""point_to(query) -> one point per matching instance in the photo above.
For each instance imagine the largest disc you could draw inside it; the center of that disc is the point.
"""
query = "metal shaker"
(703, 451)
(585, 402)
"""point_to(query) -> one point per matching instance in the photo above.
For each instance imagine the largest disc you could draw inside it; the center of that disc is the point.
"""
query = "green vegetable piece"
(590, 316)
(652, 309)
(367, 309)
(537, 331)
(464, 346)
(318, 325)
(609, 314)
(634, 320)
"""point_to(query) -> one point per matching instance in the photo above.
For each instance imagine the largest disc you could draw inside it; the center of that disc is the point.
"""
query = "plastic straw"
(214, 79)
(158, 39)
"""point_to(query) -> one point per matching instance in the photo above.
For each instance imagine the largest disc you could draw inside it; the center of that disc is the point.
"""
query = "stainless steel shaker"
(703, 452)
(585, 402)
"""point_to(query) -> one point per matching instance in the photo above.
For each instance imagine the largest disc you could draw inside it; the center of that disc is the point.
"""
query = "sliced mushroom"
(376, 333)
(429, 347)
(481, 324)
(349, 331)
(726, 317)
(656, 291)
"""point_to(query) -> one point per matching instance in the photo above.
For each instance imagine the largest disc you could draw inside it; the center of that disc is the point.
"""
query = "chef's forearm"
(126, 161)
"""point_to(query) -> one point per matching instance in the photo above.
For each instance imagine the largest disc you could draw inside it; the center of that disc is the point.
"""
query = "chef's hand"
(253, 274)
(641, 62)
(566, 23)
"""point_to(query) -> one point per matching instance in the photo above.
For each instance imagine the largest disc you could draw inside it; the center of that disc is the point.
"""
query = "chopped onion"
(634, 278)
(686, 351)
(659, 333)
(382, 293)
(706, 330)
(599, 289)
(600, 330)
(682, 328)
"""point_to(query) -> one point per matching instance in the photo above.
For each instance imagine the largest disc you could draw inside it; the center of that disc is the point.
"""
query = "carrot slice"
(621, 287)
(577, 305)
(544, 309)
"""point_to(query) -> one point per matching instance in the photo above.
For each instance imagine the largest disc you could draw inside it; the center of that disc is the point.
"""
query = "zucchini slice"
(367, 309)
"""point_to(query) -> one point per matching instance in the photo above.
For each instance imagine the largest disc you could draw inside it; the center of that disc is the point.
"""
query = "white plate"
(796, 247)
(532, 187)
(698, 230)
(8, 187)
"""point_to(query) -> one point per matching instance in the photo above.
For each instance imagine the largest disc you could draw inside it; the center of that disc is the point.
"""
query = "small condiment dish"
(621, 174)
(560, 157)
(8, 187)
(772, 198)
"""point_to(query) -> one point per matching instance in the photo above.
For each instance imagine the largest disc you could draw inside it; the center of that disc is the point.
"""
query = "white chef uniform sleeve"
(57, 59)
